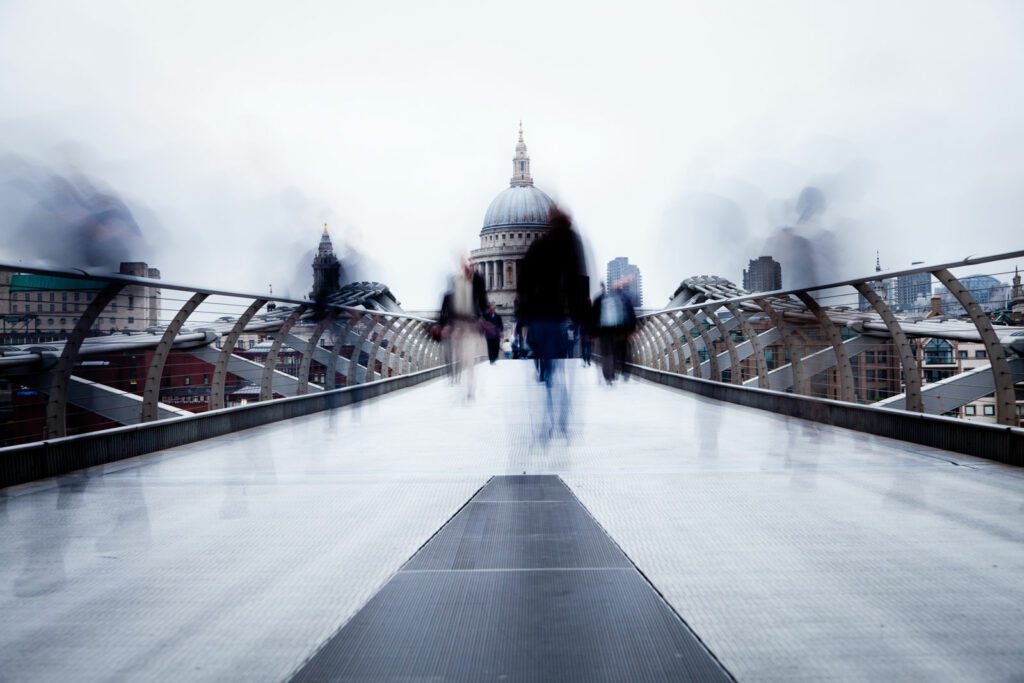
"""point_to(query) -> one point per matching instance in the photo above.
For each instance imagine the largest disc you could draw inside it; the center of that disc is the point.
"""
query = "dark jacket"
(493, 326)
(553, 282)
(628, 322)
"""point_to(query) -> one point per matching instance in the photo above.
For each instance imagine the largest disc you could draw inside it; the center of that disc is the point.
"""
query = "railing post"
(1006, 400)
(908, 359)
(267, 385)
(755, 344)
(151, 393)
(827, 327)
(56, 406)
(220, 371)
(735, 374)
(799, 381)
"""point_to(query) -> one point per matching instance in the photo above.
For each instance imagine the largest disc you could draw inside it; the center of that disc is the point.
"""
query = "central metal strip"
(521, 584)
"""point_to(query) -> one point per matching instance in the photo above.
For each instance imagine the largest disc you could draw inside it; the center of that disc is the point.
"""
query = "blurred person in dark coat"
(493, 330)
(614, 319)
(553, 288)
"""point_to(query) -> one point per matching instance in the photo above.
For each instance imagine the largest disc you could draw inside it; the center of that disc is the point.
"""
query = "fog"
(689, 137)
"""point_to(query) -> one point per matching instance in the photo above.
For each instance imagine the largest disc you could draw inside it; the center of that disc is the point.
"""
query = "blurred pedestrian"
(553, 288)
(614, 320)
(462, 318)
(493, 329)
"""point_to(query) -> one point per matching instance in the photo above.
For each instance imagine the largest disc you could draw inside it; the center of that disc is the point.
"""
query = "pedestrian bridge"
(668, 537)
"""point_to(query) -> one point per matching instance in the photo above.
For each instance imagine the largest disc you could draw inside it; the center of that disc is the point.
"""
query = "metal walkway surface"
(793, 551)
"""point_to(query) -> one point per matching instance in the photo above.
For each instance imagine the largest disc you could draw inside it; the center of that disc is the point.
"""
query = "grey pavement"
(794, 551)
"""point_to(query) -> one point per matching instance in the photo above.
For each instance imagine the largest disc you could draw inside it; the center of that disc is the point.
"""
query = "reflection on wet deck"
(794, 551)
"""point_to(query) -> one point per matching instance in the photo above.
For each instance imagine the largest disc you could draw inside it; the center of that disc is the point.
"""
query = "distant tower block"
(628, 275)
(763, 274)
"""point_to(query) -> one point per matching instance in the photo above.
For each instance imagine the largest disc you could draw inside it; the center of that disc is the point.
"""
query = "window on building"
(52, 296)
(53, 308)
(938, 352)
(131, 302)
(961, 354)
(14, 308)
(206, 379)
(988, 410)
(39, 308)
(970, 410)
(980, 353)
(869, 356)
(63, 321)
(50, 322)
(131, 320)
(63, 296)
(76, 295)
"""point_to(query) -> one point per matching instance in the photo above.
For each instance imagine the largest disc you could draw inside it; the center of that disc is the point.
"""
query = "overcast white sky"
(679, 134)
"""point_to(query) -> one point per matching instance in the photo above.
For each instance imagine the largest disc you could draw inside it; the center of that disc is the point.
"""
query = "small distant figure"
(506, 348)
(553, 287)
(461, 312)
(614, 320)
(586, 334)
(493, 329)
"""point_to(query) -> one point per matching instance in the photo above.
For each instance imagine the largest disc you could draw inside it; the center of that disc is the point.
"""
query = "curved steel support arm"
(1006, 400)
(56, 406)
(151, 394)
(691, 343)
(267, 385)
(755, 344)
(220, 371)
(340, 335)
(831, 332)
(789, 343)
(735, 372)
(908, 358)
(307, 356)
(716, 372)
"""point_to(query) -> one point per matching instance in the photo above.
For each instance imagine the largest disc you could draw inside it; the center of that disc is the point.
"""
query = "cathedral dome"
(518, 205)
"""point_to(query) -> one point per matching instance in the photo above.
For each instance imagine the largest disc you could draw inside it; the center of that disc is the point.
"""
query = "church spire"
(325, 243)
(521, 163)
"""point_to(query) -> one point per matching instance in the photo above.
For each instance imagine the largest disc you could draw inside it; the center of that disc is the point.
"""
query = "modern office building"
(763, 274)
(628, 277)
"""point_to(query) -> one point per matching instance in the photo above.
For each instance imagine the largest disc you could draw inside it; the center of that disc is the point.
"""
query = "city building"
(620, 270)
(514, 219)
(763, 274)
(913, 292)
(36, 308)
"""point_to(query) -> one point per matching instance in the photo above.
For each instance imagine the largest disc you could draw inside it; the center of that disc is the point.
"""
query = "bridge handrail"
(379, 344)
(799, 321)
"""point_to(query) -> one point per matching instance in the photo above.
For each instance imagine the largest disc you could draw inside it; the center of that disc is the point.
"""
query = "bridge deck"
(793, 551)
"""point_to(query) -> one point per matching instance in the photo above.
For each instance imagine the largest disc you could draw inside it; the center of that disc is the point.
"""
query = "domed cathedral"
(515, 218)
